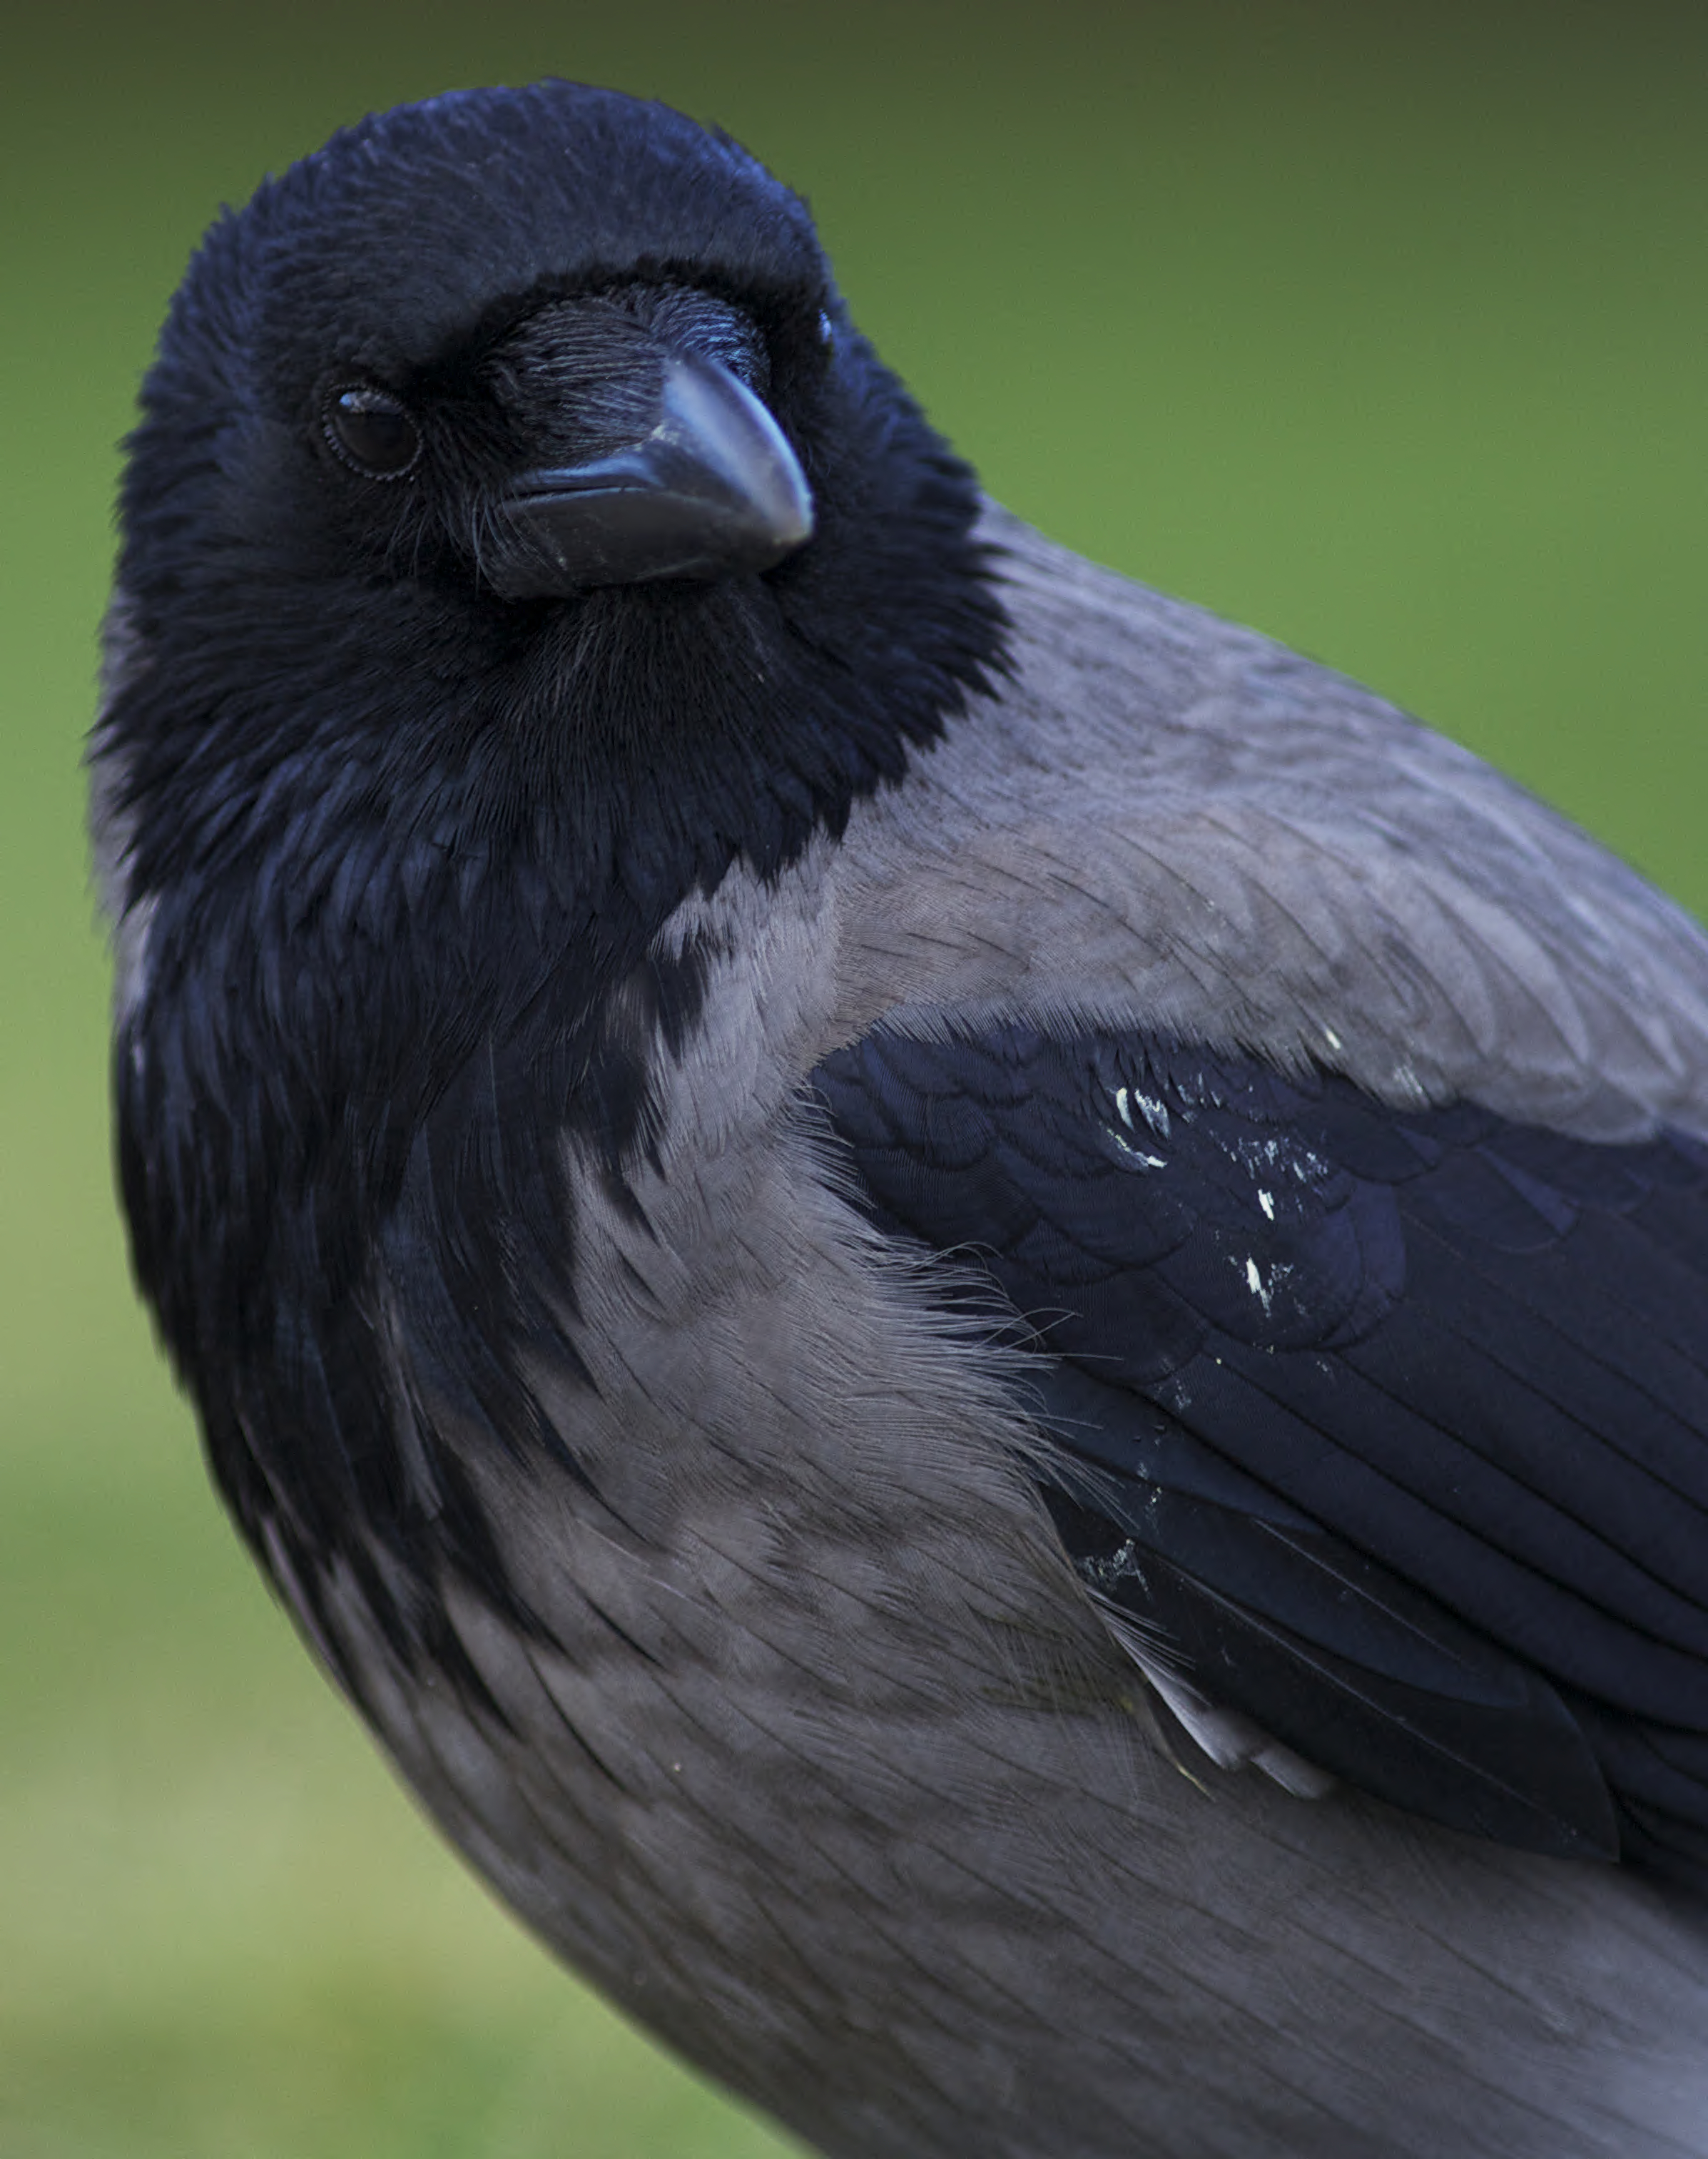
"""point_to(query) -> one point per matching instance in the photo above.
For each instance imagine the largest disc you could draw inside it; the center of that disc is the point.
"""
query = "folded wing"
(1387, 1429)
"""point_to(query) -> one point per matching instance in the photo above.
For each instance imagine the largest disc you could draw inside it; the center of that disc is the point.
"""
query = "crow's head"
(513, 458)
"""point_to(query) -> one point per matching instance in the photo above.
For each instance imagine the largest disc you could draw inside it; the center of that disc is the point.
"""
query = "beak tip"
(790, 522)
(747, 471)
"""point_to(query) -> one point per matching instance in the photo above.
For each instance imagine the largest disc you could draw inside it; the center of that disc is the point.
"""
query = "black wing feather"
(1394, 1423)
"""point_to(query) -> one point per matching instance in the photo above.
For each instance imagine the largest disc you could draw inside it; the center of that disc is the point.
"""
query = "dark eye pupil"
(371, 430)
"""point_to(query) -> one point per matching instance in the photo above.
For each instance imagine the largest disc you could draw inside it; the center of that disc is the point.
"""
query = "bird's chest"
(774, 1597)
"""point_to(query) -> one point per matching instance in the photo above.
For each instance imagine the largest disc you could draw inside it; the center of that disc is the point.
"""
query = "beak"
(712, 490)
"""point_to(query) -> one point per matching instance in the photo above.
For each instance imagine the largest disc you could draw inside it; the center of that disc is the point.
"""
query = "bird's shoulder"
(1176, 823)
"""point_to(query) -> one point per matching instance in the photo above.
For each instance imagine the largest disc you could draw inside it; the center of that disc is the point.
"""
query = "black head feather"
(294, 607)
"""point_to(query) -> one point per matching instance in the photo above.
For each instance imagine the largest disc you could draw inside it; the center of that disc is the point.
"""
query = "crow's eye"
(371, 433)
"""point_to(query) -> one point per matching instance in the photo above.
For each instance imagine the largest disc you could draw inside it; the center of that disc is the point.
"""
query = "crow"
(975, 1314)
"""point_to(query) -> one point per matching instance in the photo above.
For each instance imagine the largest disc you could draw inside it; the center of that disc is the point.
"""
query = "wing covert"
(1390, 1426)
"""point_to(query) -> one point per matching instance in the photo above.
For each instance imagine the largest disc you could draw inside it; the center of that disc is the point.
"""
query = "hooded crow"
(975, 1314)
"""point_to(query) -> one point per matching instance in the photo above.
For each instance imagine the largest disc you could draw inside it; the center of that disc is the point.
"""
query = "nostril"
(716, 330)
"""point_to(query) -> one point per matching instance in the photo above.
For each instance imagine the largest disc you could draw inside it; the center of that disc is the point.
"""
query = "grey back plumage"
(1172, 820)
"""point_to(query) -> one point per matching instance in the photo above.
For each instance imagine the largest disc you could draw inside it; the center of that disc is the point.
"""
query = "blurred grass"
(1381, 327)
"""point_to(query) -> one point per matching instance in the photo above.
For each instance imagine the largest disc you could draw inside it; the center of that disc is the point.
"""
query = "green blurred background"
(1383, 329)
